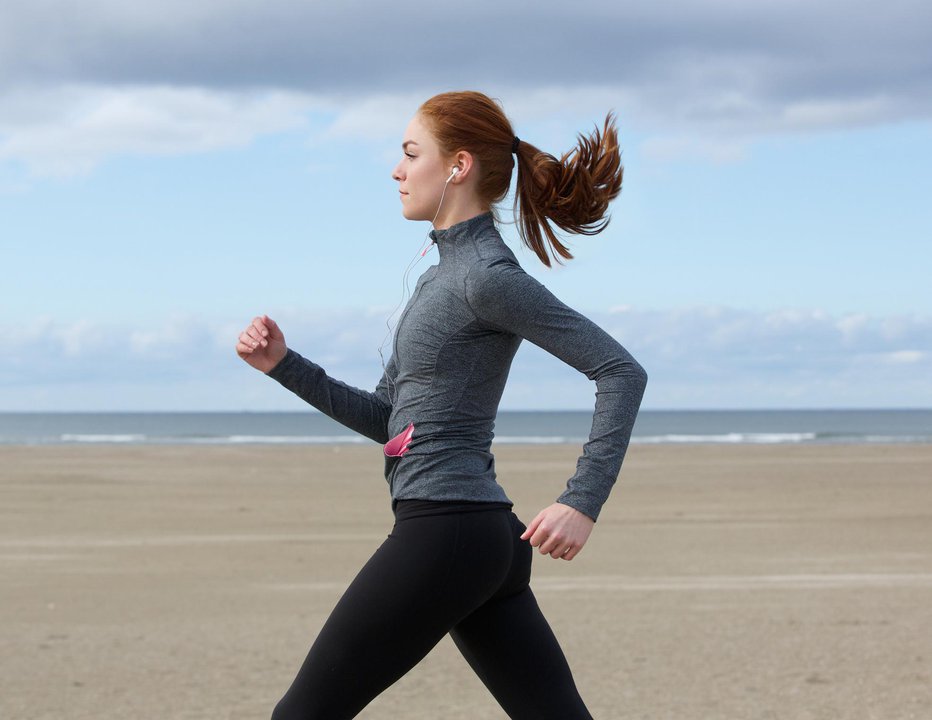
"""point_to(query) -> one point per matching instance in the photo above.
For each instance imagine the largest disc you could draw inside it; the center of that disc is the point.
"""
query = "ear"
(464, 161)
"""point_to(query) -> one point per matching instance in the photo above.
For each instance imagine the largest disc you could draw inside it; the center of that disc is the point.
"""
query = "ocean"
(653, 426)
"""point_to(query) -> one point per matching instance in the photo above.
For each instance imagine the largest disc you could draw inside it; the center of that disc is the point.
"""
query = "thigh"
(509, 644)
(403, 601)
(511, 647)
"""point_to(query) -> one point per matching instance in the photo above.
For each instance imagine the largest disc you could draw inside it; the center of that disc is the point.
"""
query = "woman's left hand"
(560, 531)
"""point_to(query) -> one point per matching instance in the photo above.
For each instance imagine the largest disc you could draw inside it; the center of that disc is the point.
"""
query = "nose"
(396, 173)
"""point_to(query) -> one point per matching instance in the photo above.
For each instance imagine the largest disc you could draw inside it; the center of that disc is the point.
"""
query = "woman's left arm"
(505, 296)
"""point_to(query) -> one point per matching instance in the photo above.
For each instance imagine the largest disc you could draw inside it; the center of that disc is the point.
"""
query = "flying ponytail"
(572, 193)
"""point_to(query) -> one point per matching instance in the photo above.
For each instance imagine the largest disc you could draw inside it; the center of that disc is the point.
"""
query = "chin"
(411, 214)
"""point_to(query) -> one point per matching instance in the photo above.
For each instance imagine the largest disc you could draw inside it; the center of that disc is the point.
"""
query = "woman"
(458, 560)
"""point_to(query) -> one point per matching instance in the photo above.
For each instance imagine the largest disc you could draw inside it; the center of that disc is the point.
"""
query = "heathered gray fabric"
(453, 348)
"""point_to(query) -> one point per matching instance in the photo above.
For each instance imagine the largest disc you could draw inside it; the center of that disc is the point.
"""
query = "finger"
(560, 552)
(261, 328)
(272, 326)
(248, 339)
(541, 530)
(272, 331)
(531, 529)
(245, 340)
(551, 544)
(258, 334)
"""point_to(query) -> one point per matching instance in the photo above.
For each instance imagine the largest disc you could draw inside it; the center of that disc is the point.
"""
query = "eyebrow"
(404, 145)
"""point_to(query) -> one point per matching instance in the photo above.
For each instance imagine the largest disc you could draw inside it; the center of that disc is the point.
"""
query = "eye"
(409, 155)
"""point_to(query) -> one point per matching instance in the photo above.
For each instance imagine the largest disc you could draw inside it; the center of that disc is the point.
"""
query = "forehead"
(417, 133)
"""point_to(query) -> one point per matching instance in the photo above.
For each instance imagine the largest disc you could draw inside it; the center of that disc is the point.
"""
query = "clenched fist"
(262, 344)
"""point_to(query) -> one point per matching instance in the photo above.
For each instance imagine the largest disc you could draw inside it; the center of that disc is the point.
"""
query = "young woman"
(458, 561)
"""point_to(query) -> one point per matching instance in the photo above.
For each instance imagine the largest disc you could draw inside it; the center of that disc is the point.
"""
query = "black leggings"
(445, 568)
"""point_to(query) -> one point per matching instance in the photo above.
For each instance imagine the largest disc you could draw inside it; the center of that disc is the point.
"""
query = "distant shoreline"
(567, 427)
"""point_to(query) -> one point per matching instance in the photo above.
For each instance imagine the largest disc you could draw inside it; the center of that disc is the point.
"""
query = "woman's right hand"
(262, 344)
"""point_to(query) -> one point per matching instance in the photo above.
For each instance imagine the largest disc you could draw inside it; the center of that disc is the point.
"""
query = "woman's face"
(422, 172)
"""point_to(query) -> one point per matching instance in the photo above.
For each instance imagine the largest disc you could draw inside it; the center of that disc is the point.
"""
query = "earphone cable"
(405, 290)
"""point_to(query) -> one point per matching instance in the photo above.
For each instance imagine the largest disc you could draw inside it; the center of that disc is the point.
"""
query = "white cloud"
(696, 357)
(86, 81)
(906, 357)
(831, 113)
(69, 129)
(176, 339)
(668, 148)
(374, 117)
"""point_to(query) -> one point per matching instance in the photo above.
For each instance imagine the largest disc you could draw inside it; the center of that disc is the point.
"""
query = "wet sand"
(780, 582)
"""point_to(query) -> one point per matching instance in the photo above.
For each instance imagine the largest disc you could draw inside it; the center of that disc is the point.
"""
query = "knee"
(303, 708)
(280, 713)
(285, 710)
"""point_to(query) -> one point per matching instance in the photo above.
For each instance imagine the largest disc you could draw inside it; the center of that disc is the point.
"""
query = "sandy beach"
(745, 582)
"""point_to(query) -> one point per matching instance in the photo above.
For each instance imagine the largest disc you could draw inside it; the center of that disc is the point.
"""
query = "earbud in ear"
(453, 174)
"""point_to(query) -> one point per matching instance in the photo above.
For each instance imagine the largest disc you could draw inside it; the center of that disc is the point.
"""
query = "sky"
(170, 170)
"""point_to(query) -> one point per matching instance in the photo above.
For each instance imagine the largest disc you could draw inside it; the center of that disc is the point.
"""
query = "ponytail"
(571, 193)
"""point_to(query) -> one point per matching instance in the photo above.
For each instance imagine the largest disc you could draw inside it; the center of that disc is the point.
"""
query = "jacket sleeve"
(505, 297)
(365, 412)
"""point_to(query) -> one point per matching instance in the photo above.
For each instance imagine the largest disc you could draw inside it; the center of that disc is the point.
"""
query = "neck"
(447, 239)
(458, 210)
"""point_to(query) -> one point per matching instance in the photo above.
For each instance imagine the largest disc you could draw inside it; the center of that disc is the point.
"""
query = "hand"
(262, 344)
(560, 531)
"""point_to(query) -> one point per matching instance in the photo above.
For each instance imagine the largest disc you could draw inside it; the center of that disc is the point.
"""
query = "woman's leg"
(509, 644)
(428, 574)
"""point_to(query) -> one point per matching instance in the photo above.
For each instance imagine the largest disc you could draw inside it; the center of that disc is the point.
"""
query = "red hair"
(571, 193)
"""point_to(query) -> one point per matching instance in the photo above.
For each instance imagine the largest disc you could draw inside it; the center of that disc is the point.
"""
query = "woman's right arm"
(262, 345)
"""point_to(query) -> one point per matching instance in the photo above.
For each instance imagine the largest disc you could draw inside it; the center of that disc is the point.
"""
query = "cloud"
(86, 80)
(906, 357)
(725, 357)
(68, 129)
(778, 48)
(704, 357)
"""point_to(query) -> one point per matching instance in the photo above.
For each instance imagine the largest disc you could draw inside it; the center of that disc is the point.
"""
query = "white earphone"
(453, 174)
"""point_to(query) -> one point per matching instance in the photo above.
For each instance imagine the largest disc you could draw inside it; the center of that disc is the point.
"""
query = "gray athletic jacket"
(435, 406)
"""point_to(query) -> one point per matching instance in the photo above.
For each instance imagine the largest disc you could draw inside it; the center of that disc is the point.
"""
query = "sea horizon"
(723, 426)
